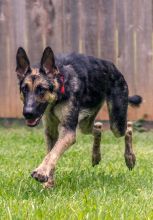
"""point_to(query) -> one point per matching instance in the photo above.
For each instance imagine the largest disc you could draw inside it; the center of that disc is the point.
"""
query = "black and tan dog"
(68, 91)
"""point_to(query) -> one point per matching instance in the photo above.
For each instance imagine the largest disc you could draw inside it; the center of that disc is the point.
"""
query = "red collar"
(62, 90)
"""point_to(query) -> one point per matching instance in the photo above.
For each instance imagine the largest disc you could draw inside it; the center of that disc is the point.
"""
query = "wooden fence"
(118, 30)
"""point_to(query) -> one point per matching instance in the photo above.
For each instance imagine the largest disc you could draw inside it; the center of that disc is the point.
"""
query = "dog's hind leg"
(129, 154)
(96, 154)
(117, 102)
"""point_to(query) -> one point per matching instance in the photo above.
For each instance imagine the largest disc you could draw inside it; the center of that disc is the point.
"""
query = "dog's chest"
(63, 109)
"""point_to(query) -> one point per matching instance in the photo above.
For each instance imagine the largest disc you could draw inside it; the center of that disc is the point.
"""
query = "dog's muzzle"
(31, 118)
(33, 122)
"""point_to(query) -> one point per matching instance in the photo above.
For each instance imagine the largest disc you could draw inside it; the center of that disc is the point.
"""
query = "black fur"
(97, 80)
(135, 100)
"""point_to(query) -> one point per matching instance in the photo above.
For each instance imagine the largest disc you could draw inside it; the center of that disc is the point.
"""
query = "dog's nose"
(29, 113)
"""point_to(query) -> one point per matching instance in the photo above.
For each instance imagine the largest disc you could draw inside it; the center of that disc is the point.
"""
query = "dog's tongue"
(31, 121)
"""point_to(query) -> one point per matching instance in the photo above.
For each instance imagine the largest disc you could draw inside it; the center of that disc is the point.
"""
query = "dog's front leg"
(45, 172)
(67, 135)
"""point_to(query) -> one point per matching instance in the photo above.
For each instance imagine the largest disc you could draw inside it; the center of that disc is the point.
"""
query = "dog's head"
(38, 86)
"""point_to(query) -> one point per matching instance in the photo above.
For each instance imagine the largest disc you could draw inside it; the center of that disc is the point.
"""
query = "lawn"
(107, 191)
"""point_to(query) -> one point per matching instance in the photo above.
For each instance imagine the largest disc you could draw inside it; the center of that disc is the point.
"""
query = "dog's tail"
(135, 100)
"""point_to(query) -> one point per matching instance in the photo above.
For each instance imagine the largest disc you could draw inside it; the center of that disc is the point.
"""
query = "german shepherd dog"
(68, 91)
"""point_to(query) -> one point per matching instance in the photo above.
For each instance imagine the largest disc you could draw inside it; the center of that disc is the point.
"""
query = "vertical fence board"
(144, 54)
(56, 40)
(106, 37)
(90, 26)
(3, 60)
(107, 21)
(126, 47)
(74, 22)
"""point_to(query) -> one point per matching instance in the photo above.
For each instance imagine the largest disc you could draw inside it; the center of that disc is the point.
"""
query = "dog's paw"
(40, 175)
(49, 184)
(130, 160)
(96, 158)
(97, 127)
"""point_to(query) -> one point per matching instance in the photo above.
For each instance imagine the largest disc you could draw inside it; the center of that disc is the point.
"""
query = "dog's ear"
(48, 61)
(22, 63)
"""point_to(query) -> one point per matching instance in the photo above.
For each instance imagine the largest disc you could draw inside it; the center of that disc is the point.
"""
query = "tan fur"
(39, 81)
(35, 71)
(96, 154)
(21, 96)
(56, 84)
(47, 167)
(28, 82)
(50, 97)
(32, 85)
(61, 110)
(129, 154)
(64, 142)
(56, 72)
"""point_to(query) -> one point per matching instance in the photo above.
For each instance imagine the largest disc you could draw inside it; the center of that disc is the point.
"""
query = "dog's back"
(95, 75)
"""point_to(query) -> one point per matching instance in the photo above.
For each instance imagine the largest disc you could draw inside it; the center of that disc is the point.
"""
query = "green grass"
(107, 191)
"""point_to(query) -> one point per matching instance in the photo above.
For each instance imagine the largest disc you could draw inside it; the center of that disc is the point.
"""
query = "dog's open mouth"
(33, 122)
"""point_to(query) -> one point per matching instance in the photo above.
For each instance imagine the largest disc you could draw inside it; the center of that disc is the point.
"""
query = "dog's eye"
(24, 89)
(40, 90)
